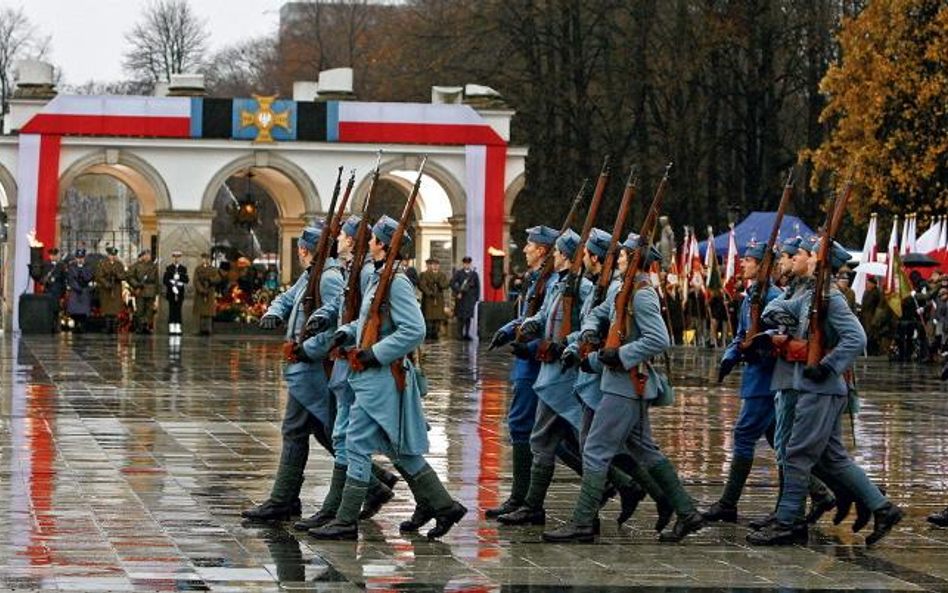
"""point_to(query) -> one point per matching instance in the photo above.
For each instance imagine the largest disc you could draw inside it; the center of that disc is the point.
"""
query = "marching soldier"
(325, 321)
(559, 414)
(820, 394)
(622, 419)
(109, 275)
(175, 279)
(308, 408)
(432, 285)
(523, 374)
(387, 415)
(206, 280)
(79, 298)
(143, 278)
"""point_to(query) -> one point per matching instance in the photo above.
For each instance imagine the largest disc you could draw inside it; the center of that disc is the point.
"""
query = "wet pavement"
(124, 465)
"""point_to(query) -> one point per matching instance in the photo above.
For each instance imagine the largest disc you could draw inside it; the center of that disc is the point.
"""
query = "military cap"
(542, 235)
(385, 229)
(309, 238)
(632, 242)
(111, 250)
(838, 255)
(791, 246)
(810, 244)
(432, 260)
(80, 252)
(350, 226)
(466, 259)
(756, 251)
(567, 243)
(205, 256)
(144, 252)
(176, 253)
(598, 242)
(871, 278)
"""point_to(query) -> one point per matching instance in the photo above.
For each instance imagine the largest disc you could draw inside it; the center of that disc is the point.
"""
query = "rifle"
(569, 301)
(353, 290)
(821, 286)
(766, 266)
(618, 329)
(609, 261)
(312, 300)
(546, 267)
(372, 326)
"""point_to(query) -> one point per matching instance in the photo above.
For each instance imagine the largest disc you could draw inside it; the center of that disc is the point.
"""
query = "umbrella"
(918, 260)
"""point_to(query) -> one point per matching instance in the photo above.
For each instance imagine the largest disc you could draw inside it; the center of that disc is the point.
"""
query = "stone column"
(189, 232)
(149, 224)
(7, 250)
(290, 228)
(459, 232)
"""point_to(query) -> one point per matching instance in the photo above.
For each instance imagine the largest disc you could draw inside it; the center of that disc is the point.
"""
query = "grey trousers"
(816, 437)
(620, 423)
(549, 430)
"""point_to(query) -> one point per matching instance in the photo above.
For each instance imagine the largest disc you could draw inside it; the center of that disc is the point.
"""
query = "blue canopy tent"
(757, 227)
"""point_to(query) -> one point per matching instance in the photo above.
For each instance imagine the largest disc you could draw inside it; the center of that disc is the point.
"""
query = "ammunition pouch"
(791, 349)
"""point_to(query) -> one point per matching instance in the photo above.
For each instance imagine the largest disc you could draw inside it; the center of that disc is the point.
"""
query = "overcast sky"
(88, 35)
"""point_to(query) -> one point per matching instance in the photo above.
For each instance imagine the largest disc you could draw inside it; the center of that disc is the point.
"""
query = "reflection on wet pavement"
(124, 466)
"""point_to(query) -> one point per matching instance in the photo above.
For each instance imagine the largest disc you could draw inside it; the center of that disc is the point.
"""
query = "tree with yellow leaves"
(887, 108)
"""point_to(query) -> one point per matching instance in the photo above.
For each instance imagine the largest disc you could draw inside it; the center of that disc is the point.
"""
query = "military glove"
(531, 328)
(586, 366)
(590, 336)
(270, 321)
(817, 372)
(555, 350)
(500, 338)
(300, 353)
(521, 350)
(367, 359)
(610, 358)
(727, 365)
(338, 339)
(317, 324)
(569, 359)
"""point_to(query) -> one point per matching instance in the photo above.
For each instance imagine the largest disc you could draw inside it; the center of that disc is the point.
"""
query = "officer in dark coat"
(79, 277)
(432, 285)
(466, 286)
(51, 275)
(175, 280)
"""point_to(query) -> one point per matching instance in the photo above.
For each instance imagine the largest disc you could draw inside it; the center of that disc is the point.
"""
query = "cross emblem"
(265, 119)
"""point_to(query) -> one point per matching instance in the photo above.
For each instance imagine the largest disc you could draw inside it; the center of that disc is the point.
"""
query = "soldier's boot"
(689, 519)
(447, 511)
(327, 511)
(885, 519)
(777, 533)
(284, 502)
(521, 461)
(379, 494)
(423, 511)
(630, 494)
(725, 509)
(939, 519)
(383, 475)
(584, 524)
(345, 526)
(821, 500)
(770, 519)
(532, 511)
(663, 507)
(854, 483)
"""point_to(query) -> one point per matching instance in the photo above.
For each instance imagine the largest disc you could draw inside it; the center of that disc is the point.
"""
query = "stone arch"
(8, 183)
(452, 187)
(287, 183)
(513, 190)
(135, 172)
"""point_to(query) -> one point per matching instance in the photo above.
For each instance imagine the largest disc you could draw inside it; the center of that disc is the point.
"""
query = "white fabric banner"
(476, 170)
(27, 181)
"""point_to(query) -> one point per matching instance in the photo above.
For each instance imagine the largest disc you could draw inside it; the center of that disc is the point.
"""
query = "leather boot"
(758, 524)
(939, 519)
(663, 507)
(885, 519)
(445, 519)
(346, 524)
(685, 525)
(570, 532)
(273, 510)
(383, 475)
(379, 494)
(725, 509)
(780, 534)
(532, 512)
(447, 511)
(327, 511)
(423, 511)
(522, 459)
(665, 512)
(821, 500)
(629, 498)
(583, 525)
(284, 502)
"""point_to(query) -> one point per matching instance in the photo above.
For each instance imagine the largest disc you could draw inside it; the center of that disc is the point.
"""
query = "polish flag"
(868, 256)
(730, 262)
(930, 241)
(891, 274)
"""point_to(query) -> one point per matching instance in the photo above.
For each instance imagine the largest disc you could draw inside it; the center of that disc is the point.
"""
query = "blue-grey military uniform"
(816, 434)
